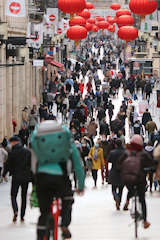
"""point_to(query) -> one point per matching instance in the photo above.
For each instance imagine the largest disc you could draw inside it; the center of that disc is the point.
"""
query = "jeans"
(71, 111)
(14, 191)
(117, 193)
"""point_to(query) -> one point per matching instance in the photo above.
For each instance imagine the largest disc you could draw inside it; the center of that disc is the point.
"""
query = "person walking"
(96, 155)
(146, 117)
(3, 159)
(114, 175)
(151, 127)
(19, 166)
(110, 110)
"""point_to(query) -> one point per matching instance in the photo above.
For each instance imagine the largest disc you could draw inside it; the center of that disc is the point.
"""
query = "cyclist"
(136, 148)
(52, 148)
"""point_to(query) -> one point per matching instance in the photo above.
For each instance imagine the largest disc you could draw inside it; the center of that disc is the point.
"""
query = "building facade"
(17, 74)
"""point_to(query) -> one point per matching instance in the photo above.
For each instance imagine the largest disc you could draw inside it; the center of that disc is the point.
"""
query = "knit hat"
(137, 139)
(136, 143)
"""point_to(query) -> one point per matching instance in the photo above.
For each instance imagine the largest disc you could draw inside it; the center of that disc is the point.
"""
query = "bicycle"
(53, 222)
(136, 211)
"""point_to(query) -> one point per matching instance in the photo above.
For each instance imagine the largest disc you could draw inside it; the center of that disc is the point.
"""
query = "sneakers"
(15, 218)
(66, 233)
(146, 224)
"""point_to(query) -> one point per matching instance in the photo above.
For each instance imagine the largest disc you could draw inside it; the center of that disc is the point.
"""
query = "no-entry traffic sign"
(15, 7)
(52, 18)
(59, 30)
(34, 37)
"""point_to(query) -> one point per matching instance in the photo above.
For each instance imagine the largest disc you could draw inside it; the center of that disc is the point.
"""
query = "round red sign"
(65, 25)
(59, 30)
(34, 37)
(15, 7)
(52, 18)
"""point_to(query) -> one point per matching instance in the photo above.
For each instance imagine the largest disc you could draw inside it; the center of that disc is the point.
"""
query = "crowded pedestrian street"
(79, 119)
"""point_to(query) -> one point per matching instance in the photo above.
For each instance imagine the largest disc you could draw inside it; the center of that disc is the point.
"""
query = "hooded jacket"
(19, 164)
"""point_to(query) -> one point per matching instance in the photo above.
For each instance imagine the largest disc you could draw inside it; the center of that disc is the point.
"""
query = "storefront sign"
(38, 63)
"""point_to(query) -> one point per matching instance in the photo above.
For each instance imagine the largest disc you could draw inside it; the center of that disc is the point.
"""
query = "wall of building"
(17, 83)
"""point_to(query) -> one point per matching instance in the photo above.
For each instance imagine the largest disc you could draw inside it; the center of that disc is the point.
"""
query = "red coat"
(89, 87)
(81, 87)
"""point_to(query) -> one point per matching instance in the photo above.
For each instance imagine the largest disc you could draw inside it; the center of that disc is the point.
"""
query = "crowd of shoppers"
(85, 103)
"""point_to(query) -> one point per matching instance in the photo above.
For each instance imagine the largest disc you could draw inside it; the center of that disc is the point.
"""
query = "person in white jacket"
(65, 108)
(3, 159)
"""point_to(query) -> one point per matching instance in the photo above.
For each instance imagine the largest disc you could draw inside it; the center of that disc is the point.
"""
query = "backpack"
(137, 128)
(131, 169)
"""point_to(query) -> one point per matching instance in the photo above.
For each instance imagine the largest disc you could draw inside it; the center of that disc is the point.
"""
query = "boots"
(146, 224)
(125, 208)
(66, 233)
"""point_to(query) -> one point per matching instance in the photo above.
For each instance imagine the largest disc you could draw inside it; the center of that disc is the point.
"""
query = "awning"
(49, 60)
(57, 64)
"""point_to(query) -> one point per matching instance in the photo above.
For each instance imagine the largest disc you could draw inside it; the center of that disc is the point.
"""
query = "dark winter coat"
(146, 118)
(114, 174)
(104, 129)
(19, 164)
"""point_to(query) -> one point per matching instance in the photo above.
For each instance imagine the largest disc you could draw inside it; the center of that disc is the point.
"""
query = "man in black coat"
(19, 166)
(146, 117)
(114, 175)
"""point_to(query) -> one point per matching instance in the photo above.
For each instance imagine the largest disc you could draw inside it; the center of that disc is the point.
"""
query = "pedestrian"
(96, 155)
(110, 110)
(3, 159)
(33, 120)
(19, 167)
(24, 135)
(114, 175)
(146, 117)
(151, 127)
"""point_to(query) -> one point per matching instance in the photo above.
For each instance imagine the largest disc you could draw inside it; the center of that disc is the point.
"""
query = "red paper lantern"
(99, 18)
(111, 28)
(77, 33)
(95, 28)
(77, 20)
(143, 7)
(71, 6)
(125, 20)
(88, 27)
(89, 5)
(85, 14)
(127, 33)
(91, 20)
(123, 12)
(102, 25)
(115, 6)
(110, 19)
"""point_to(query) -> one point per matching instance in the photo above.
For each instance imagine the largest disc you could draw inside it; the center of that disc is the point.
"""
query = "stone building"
(20, 82)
